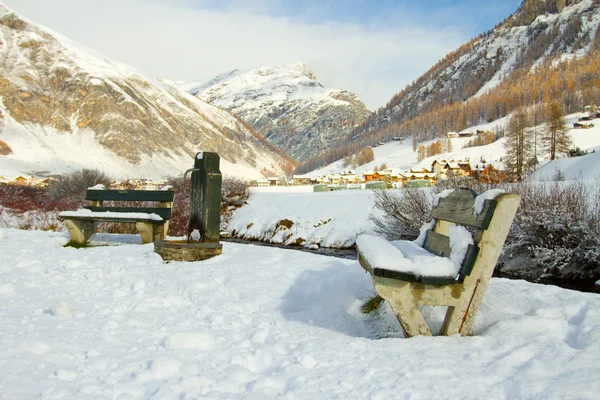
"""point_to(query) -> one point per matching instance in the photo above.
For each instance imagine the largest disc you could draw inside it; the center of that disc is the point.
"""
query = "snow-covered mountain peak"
(286, 104)
(64, 107)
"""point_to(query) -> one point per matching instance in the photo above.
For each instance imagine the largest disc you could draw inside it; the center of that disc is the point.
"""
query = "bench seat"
(405, 260)
(111, 216)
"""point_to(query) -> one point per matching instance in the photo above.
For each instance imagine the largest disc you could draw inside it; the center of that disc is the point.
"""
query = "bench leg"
(406, 310)
(150, 232)
(80, 231)
(165, 229)
(459, 318)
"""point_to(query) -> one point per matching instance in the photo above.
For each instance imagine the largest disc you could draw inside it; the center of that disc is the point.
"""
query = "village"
(42, 182)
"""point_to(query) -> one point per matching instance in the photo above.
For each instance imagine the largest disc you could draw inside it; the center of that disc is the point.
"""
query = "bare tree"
(557, 137)
(518, 144)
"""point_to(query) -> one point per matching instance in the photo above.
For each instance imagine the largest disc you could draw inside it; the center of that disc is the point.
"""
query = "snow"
(411, 257)
(442, 195)
(260, 90)
(575, 168)
(82, 212)
(480, 200)
(404, 256)
(318, 218)
(261, 322)
(97, 187)
(460, 239)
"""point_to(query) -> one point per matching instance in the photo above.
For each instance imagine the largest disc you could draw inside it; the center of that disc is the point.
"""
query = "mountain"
(287, 105)
(63, 107)
(547, 50)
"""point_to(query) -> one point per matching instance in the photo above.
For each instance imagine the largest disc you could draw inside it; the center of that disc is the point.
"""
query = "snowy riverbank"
(258, 322)
(297, 216)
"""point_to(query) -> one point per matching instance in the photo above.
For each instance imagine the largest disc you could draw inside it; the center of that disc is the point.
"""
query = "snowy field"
(115, 322)
(326, 219)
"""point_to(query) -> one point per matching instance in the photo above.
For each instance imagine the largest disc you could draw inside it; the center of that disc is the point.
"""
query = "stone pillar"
(205, 198)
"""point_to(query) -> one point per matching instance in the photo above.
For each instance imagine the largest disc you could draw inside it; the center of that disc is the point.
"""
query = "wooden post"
(205, 198)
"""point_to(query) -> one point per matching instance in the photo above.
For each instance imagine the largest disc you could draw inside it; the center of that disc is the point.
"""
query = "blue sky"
(474, 16)
(373, 48)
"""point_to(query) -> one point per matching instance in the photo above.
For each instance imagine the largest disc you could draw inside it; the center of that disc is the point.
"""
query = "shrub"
(76, 183)
(557, 225)
(577, 152)
(402, 212)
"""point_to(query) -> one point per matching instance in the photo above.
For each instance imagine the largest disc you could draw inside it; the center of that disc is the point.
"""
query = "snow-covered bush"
(402, 212)
(557, 227)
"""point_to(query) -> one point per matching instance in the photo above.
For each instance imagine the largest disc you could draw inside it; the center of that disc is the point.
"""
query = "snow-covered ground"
(400, 154)
(327, 219)
(259, 323)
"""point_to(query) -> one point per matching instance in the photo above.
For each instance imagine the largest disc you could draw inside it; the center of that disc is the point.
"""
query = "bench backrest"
(164, 197)
(458, 209)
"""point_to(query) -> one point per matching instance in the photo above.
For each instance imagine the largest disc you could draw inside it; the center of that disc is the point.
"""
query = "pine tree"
(518, 144)
(556, 137)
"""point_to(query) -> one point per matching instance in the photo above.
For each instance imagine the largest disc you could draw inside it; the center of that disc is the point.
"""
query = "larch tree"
(518, 144)
(556, 137)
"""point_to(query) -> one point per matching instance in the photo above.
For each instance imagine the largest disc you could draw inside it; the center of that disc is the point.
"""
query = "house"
(42, 182)
(465, 167)
(489, 174)
(465, 133)
(446, 168)
(2, 179)
(409, 176)
(21, 180)
(301, 180)
(262, 182)
(273, 181)
(452, 135)
(438, 165)
(368, 175)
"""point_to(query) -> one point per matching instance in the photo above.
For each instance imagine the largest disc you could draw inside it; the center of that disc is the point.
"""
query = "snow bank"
(575, 168)
(261, 323)
(328, 219)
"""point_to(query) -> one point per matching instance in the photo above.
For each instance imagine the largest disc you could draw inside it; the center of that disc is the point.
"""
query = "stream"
(351, 254)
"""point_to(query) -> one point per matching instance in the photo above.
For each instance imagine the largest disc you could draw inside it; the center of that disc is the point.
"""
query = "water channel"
(351, 254)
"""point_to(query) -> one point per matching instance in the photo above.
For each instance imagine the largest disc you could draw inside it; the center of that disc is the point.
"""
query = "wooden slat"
(164, 213)
(437, 244)
(112, 219)
(468, 262)
(390, 274)
(130, 195)
(458, 208)
(438, 280)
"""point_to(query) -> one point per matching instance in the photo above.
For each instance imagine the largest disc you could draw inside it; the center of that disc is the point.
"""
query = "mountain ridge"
(49, 84)
(286, 104)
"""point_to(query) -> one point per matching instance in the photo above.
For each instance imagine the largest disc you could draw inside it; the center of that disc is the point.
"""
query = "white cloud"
(178, 41)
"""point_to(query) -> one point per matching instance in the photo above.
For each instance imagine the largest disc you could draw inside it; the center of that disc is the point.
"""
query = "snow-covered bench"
(450, 264)
(152, 222)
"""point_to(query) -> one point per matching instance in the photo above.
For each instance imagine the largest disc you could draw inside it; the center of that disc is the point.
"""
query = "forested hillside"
(547, 50)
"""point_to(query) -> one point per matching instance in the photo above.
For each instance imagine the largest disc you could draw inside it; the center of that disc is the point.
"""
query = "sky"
(373, 48)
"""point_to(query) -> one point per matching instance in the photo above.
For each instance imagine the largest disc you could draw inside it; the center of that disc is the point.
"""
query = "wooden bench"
(151, 222)
(400, 269)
